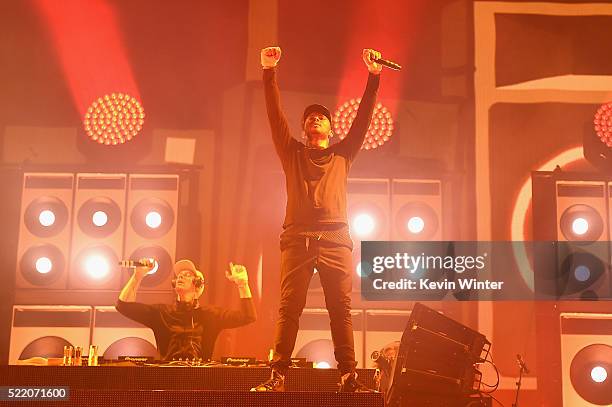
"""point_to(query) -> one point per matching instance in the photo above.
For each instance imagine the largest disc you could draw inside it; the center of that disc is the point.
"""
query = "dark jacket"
(316, 179)
(182, 331)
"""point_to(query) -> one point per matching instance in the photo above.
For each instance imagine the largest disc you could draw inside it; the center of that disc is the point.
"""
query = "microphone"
(388, 64)
(522, 363)
(132, 264)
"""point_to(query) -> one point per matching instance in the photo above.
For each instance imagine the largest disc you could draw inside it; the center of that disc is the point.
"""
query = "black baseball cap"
(316, 108)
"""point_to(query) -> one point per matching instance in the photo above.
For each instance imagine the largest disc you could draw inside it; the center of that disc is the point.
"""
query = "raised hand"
(237, 274)
(270, 57)
(369, 55)
(140, 272)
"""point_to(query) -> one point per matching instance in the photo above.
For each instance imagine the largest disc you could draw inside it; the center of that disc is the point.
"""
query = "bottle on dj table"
(78, 355)
(93, 356)
(67, 361)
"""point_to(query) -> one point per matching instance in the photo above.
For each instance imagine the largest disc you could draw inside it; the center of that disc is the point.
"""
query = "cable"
(492, 387)
(499, 402)
(496, 385)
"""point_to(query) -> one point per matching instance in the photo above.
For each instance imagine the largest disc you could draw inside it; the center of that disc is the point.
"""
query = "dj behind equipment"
(186, 330)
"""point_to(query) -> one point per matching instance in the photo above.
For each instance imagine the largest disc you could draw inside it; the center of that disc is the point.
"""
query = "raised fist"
(369, 55)
(270, 56)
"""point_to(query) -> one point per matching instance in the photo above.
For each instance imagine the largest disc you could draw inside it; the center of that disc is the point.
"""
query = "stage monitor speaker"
(152, 210)
(314, 341)
(43, 249)
(383, 327)
(586, 359)
(97, 237)
(436, 356)
(116, 335)
(43, 331)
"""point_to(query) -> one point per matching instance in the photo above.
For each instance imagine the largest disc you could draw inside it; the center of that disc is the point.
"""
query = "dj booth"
(122, 385)
(204, 386)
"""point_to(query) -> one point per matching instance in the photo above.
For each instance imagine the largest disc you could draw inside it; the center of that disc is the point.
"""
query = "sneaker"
(276, 382)
(350, 384)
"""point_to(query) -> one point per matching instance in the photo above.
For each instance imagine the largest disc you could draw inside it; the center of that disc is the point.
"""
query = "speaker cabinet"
(43, 331)
(43, 250)
(152, 210)
(117, 335)
(586, 359)
(97, 239)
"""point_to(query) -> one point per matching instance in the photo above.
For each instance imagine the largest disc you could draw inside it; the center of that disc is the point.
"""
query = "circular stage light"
(579, 271)
(366, 221)
(582, 273)
(114, 119)
(416, 221)
(44, 265)
(153, 219)
(363, 225)
(581, 223)
(99, 218)
(580, 226)
(415, 225)
(96, 265)
(381, 126)
(322, 365)
(599, 374)
(46, 216)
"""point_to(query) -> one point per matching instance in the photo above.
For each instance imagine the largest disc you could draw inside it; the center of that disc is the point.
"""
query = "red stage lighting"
(381, 126)
(603, 123)
(114, 119)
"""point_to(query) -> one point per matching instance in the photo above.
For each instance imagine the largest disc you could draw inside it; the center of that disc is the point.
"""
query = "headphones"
(197, 282)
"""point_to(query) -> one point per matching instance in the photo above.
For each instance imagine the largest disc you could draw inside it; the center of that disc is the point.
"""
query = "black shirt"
(182, 331)
(316, 178)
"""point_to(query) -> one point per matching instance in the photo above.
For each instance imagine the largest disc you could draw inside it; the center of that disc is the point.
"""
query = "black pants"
(299, 255)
